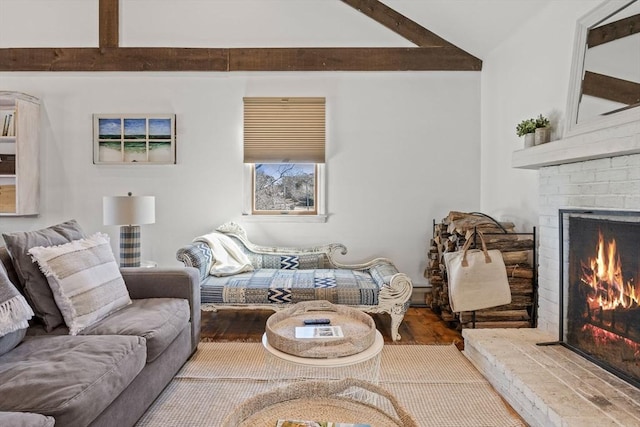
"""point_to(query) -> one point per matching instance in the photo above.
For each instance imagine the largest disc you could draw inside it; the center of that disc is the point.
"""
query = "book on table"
(325, 331)
(307, 423)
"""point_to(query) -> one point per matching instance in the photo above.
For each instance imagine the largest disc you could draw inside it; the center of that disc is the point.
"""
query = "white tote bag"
(477, 278)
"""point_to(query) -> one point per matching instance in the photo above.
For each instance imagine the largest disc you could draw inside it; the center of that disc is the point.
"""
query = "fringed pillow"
(14, 314)
(85, 280)
(34, 284)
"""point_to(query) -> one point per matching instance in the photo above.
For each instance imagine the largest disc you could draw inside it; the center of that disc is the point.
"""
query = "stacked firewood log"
(517, 252)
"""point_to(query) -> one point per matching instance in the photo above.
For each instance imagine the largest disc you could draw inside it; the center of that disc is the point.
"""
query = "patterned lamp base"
(130, 246)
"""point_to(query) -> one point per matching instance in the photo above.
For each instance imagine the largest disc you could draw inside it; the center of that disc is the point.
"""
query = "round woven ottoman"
(322, 401)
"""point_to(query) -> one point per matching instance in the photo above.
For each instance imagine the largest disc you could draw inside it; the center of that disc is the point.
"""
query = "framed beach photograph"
(134, 139)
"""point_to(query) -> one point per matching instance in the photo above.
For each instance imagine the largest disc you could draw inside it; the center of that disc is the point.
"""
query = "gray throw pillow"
(85, 279)
(34, 283)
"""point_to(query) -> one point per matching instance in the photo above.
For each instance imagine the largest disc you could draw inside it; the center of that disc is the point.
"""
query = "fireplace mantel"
(618, 140)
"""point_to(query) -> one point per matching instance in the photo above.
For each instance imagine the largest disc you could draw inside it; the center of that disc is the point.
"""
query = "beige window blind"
(282, 130)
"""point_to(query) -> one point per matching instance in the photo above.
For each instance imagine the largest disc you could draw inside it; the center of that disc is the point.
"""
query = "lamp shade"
(128, 210)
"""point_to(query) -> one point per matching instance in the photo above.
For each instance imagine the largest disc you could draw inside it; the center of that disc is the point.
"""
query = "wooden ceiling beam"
(401, 25)
(433, 53)
(611, 88)
(108, 25)
(613, 31)
(236, 59)
(351, 59)
(398, 23)
(114, 59)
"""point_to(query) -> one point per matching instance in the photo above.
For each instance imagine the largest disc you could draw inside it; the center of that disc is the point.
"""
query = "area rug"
(435, 383)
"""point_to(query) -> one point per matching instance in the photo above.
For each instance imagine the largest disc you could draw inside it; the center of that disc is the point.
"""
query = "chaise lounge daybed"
(276, 277)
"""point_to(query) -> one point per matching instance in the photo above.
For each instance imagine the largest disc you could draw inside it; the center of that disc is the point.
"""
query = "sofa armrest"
(25, 419)
(167, 283)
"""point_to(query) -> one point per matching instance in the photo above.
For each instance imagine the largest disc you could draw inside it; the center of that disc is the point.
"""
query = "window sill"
(285, 218)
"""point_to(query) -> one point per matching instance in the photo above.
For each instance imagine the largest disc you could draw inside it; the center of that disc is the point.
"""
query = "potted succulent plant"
(527, 129)
(543, 131)
(535, 131)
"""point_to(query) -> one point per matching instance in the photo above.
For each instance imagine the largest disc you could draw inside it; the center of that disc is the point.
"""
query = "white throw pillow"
(84, 278)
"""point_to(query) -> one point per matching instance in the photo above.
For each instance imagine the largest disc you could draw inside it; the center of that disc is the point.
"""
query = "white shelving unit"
(19, 141)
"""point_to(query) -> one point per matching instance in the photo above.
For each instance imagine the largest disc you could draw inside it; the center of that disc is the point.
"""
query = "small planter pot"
(529, 140)
(542, 135)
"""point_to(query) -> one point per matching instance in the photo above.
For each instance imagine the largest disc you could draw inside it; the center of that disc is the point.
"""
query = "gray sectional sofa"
(111, 372)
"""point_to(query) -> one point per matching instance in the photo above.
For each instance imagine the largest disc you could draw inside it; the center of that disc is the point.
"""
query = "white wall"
(526, 75)
(403, 147)
(397, 156)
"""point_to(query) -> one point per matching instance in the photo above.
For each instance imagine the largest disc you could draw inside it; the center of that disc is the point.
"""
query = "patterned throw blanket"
(267, 285)
(14, 310)
(228, 258)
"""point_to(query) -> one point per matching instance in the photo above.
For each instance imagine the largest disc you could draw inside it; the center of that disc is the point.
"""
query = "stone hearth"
(550, 385)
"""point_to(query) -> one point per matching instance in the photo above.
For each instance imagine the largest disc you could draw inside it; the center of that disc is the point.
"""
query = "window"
(284, 188)
(284, 154)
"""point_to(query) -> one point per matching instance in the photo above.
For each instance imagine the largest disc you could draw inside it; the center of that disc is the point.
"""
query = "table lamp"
(129, 212)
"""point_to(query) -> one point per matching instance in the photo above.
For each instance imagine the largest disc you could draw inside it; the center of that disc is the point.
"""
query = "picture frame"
(134, 139)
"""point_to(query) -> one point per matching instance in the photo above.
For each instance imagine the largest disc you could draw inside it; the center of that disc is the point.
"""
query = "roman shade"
(282, 130)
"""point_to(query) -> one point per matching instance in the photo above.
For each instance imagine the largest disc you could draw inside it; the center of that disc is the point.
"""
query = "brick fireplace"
(551, 385)
(600, 288)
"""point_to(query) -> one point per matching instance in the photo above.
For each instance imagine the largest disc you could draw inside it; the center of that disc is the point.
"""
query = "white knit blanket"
(14, 310)
(228, 258)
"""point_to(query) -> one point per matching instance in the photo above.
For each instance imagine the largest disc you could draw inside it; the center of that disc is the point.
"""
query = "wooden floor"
(420, 326)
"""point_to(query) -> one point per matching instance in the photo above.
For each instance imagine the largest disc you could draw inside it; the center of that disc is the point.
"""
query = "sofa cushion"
(158, 320)
(72, 378)
(267, 286)
(25, 419)
(33, 283)
(10, 340)
(85, 280)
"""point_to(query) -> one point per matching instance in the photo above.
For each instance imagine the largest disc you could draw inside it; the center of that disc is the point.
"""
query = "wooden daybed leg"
(394, 299)
(397, 315)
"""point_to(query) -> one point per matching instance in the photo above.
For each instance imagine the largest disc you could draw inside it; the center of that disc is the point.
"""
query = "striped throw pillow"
(84, 278)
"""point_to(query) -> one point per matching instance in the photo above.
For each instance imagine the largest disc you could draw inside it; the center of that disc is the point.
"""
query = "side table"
(285, 368)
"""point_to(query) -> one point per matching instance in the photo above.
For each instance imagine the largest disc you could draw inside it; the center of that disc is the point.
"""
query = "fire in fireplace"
(602, 290)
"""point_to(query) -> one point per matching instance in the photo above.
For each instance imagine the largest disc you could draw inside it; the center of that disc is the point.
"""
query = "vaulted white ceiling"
(477, 26)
